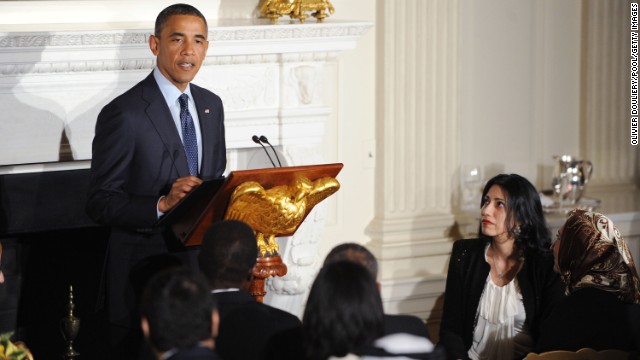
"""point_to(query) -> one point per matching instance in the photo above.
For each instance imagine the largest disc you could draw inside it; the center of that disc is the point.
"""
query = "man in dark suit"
(392, 323)
(227, 258)
(179, 317)
(288, 345)
(153, 145)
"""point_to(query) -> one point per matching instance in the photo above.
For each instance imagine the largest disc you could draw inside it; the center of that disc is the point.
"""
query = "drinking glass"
(471, 186)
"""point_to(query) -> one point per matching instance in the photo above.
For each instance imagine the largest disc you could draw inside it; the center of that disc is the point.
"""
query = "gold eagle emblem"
(277, 211)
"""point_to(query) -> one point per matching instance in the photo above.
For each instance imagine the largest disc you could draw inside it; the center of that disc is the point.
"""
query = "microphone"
(256, 140)
(265, 140)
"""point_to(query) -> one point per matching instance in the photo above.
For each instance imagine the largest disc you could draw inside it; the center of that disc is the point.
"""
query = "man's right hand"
(179, 189)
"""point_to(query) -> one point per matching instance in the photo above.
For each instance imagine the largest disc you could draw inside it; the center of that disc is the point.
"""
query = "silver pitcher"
(570, 176)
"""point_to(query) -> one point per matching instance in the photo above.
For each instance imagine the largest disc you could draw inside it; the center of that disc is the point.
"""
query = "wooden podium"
(273, 202)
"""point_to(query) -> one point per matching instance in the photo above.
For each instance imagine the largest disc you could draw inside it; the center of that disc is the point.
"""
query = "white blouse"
(500, 331)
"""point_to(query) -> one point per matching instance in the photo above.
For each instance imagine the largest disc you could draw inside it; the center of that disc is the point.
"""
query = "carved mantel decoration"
(296, 9)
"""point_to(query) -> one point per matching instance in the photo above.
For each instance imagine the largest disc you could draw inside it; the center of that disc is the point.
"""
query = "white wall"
(520, 81)
(354, 130)
(519, 101)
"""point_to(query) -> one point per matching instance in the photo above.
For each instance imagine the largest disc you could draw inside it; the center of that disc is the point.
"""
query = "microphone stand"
(256, 140)
(265, 140)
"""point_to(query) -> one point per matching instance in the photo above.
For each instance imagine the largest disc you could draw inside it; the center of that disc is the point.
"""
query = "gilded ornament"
(296, 9)
(277, 211)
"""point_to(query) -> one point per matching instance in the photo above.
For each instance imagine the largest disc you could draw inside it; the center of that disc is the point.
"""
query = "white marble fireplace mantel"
(53, 83)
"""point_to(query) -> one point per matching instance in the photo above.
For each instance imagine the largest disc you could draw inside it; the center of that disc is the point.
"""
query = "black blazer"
(246, 326)
(137, 154)
(541, 290)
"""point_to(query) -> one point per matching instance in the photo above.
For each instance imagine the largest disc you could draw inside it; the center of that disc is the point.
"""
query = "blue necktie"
(188, 135)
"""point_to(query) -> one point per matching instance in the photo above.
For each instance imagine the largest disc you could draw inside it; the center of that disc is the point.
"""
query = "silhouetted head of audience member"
(144, 270)
(356, 253)
(178, 312)
(525, 220)
(343, 312)
(590, 252)
(228, 254)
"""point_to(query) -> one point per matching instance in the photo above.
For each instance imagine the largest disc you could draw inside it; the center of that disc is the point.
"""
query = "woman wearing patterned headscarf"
(602, 307)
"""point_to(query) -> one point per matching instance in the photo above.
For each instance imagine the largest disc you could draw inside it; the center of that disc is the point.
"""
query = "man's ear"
(153, 44)
(215, 321)
(144, 324)
(246, 284)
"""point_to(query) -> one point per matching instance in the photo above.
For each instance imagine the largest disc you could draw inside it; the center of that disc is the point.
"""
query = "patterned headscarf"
(592, 253)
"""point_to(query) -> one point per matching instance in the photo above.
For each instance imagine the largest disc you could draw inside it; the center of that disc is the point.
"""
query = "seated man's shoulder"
(259, 322)
(404, 324)
(256, 312)
(240, 305)
(286, 344)
(284, 318)
(229, 301)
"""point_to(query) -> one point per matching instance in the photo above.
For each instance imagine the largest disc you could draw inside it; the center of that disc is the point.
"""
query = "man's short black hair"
(356, 253)
(228, 254)
(177, 9)
(178, 306)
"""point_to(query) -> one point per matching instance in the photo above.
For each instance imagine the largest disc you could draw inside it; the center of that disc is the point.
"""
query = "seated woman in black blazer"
(501, 285)
(602, 308)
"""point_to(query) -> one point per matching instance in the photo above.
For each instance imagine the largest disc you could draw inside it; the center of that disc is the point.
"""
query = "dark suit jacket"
(246, 325)
(408, 324)
(197, 353)
(137, 154)
(593, 318)
(540, 285)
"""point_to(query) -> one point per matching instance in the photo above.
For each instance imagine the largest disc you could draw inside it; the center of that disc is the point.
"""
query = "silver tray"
(585, 203)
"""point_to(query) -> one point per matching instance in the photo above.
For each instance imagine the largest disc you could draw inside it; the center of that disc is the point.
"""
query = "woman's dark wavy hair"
(343, 312)
(524, 207)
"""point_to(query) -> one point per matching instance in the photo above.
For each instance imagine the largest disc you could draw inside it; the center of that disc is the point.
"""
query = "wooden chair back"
(582, 354)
